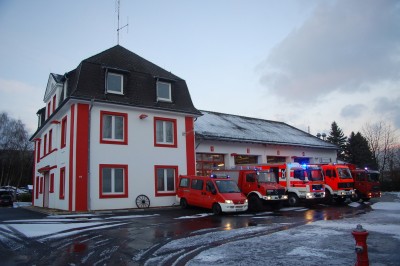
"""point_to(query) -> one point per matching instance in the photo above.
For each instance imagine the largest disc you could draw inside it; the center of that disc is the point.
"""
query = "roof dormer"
(54, 88)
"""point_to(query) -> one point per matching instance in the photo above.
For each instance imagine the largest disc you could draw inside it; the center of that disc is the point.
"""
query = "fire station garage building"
(117, 131)
(224, 141)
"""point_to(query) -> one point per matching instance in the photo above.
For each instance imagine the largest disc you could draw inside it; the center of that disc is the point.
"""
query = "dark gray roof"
(87, 81)
(226, 127)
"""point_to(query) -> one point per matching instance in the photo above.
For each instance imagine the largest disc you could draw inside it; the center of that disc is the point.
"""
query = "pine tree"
(358, 151)
(337, 137)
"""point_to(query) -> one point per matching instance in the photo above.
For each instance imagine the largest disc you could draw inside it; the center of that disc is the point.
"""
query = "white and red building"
(114, 128)
(117, 131)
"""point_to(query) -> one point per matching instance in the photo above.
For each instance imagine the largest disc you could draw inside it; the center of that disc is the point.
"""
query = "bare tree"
(382, 139)
(15, 151)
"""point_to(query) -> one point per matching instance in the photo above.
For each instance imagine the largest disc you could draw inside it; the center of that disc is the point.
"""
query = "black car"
(6, 198)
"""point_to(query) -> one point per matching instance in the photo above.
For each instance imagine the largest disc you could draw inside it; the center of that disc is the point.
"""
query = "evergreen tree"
(358, 151)
(337, 137)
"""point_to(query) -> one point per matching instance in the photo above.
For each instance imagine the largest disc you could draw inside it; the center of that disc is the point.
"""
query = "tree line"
(16, 153)
(375, 147)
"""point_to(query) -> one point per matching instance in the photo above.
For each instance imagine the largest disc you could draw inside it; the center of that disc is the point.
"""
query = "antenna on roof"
(120, 28)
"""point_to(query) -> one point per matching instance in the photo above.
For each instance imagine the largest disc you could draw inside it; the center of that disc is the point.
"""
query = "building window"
(62, 183)
(113, 181)
(41, 185)
(165, 180)
(54, 103)
(164, 91)
(205, 162)
(37, 188)
(50, 140)
(165, 132)
(48, 109)
(51, 190)
(45, 145)
(63, 132)
(39, 146)
(114, 128)
(115, 83)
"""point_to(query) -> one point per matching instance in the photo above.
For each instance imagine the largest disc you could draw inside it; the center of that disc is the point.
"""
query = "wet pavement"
(145, 237)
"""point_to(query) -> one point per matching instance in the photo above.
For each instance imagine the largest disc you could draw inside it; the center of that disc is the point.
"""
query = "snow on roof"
(227, 127)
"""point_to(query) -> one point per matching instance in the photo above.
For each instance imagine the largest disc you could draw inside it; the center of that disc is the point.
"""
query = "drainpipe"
(88, 173)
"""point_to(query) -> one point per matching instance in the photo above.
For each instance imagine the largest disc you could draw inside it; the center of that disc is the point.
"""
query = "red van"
(218, 194)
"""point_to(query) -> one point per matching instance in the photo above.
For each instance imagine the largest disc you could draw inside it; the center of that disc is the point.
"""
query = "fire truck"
(366, 183)
(303, 182)
(339, 184)
(260, 186)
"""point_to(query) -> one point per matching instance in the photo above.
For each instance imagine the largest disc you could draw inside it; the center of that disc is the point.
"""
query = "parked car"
(218, 194)
(6, 198)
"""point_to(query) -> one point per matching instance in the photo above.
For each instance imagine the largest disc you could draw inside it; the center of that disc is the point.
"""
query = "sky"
(305, 63)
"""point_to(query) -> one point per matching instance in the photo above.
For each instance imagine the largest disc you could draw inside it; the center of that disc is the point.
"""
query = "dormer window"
(164, 91)
(115, 83)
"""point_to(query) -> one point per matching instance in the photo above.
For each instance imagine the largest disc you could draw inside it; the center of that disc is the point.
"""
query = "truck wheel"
(356, 197)
(254, 203)
(216, 209)
(293, 200)
(184, 204)
(328, 197)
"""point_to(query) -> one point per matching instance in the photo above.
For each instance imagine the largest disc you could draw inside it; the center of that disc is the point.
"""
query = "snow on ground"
(322, 242)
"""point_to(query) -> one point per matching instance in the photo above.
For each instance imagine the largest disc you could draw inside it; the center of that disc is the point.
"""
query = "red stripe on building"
(190, 146)
(71, 157)
(82, 145)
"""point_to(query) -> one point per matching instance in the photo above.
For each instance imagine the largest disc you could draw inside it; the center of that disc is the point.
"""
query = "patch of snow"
(389, 206)
(354, 204)
(200, 215)
(306, 252)
(131, 216)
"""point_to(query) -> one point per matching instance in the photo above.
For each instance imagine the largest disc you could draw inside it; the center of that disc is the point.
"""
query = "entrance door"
(46, 190)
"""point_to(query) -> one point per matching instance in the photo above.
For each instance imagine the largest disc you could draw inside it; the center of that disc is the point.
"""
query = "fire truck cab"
(218, 194)
(303, 182)
(260, 186)
(339, 184)
(366, 183)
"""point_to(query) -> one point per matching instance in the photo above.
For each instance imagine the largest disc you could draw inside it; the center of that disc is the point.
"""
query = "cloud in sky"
(353, 110)
(389, 109)
(343, 46)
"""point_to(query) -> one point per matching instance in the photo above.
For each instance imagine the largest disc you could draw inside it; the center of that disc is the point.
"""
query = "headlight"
(246, 201)
(228, 201)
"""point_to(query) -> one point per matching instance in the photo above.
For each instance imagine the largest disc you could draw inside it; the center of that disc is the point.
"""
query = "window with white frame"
(115, 83)
(113, 181)
(165, 132)
(164, 91)
(113, 128)
(165, 180)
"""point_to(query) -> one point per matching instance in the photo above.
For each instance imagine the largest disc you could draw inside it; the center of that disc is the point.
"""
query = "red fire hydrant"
(360, 235)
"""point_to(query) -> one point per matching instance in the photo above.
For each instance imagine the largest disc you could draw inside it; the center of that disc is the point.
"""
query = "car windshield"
(227, 186)
(344, 173)
(315, 175)
(266, 177)
(373, 177)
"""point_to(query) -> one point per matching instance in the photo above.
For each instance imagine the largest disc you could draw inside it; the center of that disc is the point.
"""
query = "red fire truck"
(260, 186)
(303, 182)
(366, 183)
(339, 184)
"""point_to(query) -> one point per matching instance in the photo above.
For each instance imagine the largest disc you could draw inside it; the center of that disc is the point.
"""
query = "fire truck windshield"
(227, 186)
(344, 173)
(373, 177)
(266, 177)
(315, 175)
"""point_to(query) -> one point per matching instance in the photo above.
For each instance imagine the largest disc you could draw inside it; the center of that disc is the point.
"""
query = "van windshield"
(227, 186)
(266, 177)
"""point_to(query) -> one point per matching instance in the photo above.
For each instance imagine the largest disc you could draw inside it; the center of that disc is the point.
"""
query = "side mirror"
(213, 191)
